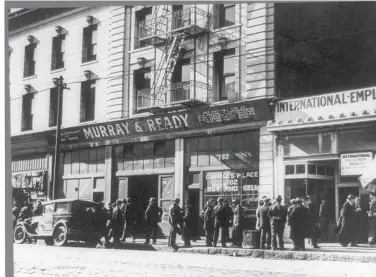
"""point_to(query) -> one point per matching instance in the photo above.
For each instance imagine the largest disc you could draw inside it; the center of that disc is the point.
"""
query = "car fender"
(26, 227)
(63, 222)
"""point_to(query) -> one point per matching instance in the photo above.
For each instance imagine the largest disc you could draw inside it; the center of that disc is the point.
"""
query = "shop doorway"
(141, 188)
(194, 199)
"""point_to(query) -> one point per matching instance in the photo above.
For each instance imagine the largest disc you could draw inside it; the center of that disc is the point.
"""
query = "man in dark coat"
(362, 225)
(131, 215)
(297, 221)
(237, 232)
(278, 216)
(264, 222)
(26, 212)
(313, 221)
(38, 210)
(175, 220)
(153, 215)
(117, 221)
(324, 216)
(102, 221)
(347, 233)
(209, 223)
(189, 223)
(15, 212)
(229, 218)
(219, 222)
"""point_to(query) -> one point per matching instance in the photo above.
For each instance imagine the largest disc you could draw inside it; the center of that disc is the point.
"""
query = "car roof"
(69, 200)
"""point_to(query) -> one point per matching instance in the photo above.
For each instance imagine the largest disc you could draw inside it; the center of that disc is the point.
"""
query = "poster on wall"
(354, 164)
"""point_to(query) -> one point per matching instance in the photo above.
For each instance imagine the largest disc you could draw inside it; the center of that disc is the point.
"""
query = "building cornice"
(64, 16)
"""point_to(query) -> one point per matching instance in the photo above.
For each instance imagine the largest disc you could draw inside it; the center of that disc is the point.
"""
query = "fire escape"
(169, 32)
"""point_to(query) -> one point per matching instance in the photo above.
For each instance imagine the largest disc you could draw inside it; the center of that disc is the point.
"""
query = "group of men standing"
(302, 216)
(221, 217)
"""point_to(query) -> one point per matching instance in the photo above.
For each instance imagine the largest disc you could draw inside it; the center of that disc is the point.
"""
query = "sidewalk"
(327, 252)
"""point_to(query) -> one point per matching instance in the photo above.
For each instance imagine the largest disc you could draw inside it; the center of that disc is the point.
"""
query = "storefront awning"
(368, 178)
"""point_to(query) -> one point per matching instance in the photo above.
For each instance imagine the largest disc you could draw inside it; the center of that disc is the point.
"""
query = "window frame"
(88, 45)
(221, 76)
(29, 60)
(58, 51)
(221, 15)
(27, 117)
(88, 92)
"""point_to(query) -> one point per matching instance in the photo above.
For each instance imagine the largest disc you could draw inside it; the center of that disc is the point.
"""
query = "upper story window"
(144, 26)
(53, 107)
(29, 60)
(27, 112)
(89, 43)
(87, 101)
(58, 51)
(225, 73)
(182, 71)
(226, 15)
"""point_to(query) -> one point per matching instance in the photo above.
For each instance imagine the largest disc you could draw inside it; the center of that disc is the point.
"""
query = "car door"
(45, 223)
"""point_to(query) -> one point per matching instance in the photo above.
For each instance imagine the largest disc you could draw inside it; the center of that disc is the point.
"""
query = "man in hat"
(175, 220)
(313, 221)
(189, 223)
(277, 214)
(153, 215)
(131, 215)
(297, 221)
(229, 218)
(324, 216)
(117, 221)
(237, 232)
(219, 222)
(38, 210)
(209, 223)
(264, 223)
(347, 233)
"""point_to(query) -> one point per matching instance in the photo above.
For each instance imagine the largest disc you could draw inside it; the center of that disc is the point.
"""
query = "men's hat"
(298, 200)
(220, 199)
(261, 202)
(267, 199)
(176, 200)
(152, 199)
(119, 201)
(304, 198)
(351, 196)
(279, 198)
(211, 199)
(235, 201)
(293, 201)
(264, 197)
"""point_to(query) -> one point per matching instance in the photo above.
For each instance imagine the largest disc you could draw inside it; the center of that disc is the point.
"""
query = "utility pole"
(60, 86)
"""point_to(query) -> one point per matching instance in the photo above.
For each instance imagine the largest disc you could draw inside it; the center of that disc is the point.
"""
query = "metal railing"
(173, 94)
(180, 19)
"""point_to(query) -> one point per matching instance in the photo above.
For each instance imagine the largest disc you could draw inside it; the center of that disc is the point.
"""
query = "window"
(144, 24)
(89, 44)
(226, 15)
(27, 115)
(29, 61)
(289, 169)
(180, 81)
(300, 168)
(61, 208)
(142, 87)
(58, 51)
(87, 101)
(53, 107)
(225, 73)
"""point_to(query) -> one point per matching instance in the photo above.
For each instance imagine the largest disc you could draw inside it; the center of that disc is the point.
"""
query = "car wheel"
(19, 235)
(49, 241)
(60, 235)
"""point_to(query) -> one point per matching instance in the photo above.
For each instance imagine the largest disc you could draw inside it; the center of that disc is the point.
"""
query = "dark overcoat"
(297, 221)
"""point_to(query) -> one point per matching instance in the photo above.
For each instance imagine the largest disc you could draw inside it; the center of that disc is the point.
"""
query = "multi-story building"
(182, 98)
(45, 44)
(325, 119)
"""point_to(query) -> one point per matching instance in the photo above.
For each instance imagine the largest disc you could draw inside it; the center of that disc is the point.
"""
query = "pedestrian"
(362, 225)
(278, 216)
(175, 220)
(324, 217)
(264, 223)
(347, 233)
(313, 221)
(237, 232)
(15, 212)
(117, 222)
(110, 210)
(296, 220)
(188, 224)
(259, 205)
(219, 223)
(131, 215)
(209, 223)
(102, 221)
(153, 215)
(372, 221)
(229, 218)
(25, 212)
(38, 210)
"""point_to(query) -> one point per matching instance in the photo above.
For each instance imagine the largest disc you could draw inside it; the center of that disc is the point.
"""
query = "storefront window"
(128, 157)
(83, 161)
(169, 153)
(215, 150)
(203, 151)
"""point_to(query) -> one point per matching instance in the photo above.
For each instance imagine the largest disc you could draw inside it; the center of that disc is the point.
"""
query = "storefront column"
(109, 169)
(179, 169)
(49, 177)
(279, 178)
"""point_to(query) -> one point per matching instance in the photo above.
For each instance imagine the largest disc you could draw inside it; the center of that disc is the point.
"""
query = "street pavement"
(41, 261)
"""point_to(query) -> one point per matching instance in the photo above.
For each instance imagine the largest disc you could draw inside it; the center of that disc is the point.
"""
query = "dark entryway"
(141, 188)
(194, 199)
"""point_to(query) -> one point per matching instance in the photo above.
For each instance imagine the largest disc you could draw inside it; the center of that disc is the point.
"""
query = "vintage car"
(62, 220)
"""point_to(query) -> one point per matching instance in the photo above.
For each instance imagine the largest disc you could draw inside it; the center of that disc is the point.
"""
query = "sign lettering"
(354, 164)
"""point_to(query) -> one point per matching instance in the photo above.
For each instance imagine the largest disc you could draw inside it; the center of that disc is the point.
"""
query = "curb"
(274, 255)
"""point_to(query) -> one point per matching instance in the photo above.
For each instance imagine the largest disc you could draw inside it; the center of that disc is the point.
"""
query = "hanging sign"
(353, 164)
